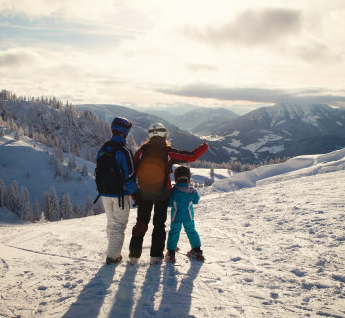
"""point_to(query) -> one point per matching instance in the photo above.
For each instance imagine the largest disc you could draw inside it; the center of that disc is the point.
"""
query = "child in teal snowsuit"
(182, 213)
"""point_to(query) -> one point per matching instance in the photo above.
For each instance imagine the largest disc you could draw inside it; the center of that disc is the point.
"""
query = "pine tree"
(54, 206)
(25, 207)
(13, 198)
(89, 207)
(77, 211)
(98, 207)
(71, 163)
(45, 205)
(84, 171)
(3, 194)
(212, 172)
(66, 207)
(36, 213)
(67, 175)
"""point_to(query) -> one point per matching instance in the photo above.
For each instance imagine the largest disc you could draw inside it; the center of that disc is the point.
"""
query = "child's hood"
(184, 187)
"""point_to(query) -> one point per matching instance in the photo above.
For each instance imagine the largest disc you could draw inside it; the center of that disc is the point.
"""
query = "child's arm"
(196, 197)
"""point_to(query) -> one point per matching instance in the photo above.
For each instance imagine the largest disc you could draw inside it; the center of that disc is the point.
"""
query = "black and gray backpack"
(109, 180)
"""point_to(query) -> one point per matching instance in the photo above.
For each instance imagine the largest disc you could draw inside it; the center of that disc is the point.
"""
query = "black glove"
(136, 197)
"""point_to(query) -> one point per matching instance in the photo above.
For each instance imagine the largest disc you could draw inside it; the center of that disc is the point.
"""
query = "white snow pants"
(117, 219)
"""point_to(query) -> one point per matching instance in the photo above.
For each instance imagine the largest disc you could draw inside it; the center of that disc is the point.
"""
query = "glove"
(136, 197)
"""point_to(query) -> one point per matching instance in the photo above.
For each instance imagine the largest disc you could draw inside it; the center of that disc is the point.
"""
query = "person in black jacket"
(117, 204)
(153, 164)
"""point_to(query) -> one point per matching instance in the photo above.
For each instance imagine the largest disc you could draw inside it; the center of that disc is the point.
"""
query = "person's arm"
(126, 164)
(196, 197)
(179, 156)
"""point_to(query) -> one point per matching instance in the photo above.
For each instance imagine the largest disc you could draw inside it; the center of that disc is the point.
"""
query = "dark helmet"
(121, 125)
(182, 173)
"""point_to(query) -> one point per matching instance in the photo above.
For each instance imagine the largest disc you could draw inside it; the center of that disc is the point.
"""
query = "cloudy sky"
(241, 54)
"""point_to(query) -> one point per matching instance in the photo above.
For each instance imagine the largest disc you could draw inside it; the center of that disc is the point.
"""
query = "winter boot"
(196, 253)
(110, 260)
(170, 256)
(156, 259)
(133, 260)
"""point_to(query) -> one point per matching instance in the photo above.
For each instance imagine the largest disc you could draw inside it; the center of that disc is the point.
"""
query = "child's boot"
(196, 253)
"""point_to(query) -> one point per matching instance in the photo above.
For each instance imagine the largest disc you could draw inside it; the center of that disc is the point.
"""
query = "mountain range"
(283, 130)
(180, 139)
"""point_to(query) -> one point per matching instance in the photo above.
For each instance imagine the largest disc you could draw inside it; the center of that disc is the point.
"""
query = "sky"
(146, 53)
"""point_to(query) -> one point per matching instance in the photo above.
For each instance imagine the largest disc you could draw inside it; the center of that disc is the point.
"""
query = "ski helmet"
(121, 125)
(182, 173)
(158, 130)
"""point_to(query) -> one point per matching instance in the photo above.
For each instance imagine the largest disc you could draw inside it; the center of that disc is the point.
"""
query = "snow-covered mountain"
(282, 130)
(273, 239)
(179, 139)
(199, 119)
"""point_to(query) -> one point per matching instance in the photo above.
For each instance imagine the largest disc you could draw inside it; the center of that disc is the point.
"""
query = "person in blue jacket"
(117, 205)
(182, 213)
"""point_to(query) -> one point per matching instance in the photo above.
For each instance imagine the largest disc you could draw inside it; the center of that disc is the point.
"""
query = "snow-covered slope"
(29, 163)
(273, 249)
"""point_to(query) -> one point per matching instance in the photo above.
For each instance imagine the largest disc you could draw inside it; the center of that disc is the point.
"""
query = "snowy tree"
(66, 207)
(16, 135)
(36, 212)
(54, 206)
(67, 175)
(84, 171)
(89, 207)
(77, 211)
(20, 131)
(56, 165)
(212, 172)
(3, 194)
(25, 207)
(13, 198)
(45, 205)
(71, 163)
(58, 154)
(98, 207)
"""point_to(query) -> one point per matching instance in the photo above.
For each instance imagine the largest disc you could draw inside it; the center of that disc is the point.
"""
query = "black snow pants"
(140, 228)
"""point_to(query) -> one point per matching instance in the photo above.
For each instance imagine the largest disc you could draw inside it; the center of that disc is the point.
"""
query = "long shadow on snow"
(123, 303)
(175, 302)
(91, 298)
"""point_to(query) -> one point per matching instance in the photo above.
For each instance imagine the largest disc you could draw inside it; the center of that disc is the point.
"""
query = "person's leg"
(117, 219)
(193, 236)
(174, 235)
(158, 233)
(140, 228)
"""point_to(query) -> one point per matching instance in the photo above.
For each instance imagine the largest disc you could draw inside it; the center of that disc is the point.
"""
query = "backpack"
(109, 180)
(152, 173)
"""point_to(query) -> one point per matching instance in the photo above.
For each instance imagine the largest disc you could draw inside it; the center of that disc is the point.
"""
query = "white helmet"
(158, 130)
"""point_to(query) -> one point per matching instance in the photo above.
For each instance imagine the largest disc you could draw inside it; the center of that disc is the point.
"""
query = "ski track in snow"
(274, 250)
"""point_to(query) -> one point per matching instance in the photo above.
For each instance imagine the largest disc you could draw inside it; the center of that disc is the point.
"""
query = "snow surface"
(273, 239)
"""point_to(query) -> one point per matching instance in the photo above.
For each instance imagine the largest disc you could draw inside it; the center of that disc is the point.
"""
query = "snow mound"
(294, 168)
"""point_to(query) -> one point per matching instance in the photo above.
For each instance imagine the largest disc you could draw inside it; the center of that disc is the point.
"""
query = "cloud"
(195, 67)
(260, 95)
(16, 58)
(251, 28)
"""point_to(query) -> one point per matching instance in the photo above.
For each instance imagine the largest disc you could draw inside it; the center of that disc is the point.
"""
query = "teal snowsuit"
(182, 213)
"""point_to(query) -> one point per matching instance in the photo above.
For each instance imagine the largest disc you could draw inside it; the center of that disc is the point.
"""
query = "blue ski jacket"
(181, 202)
(124, 158)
